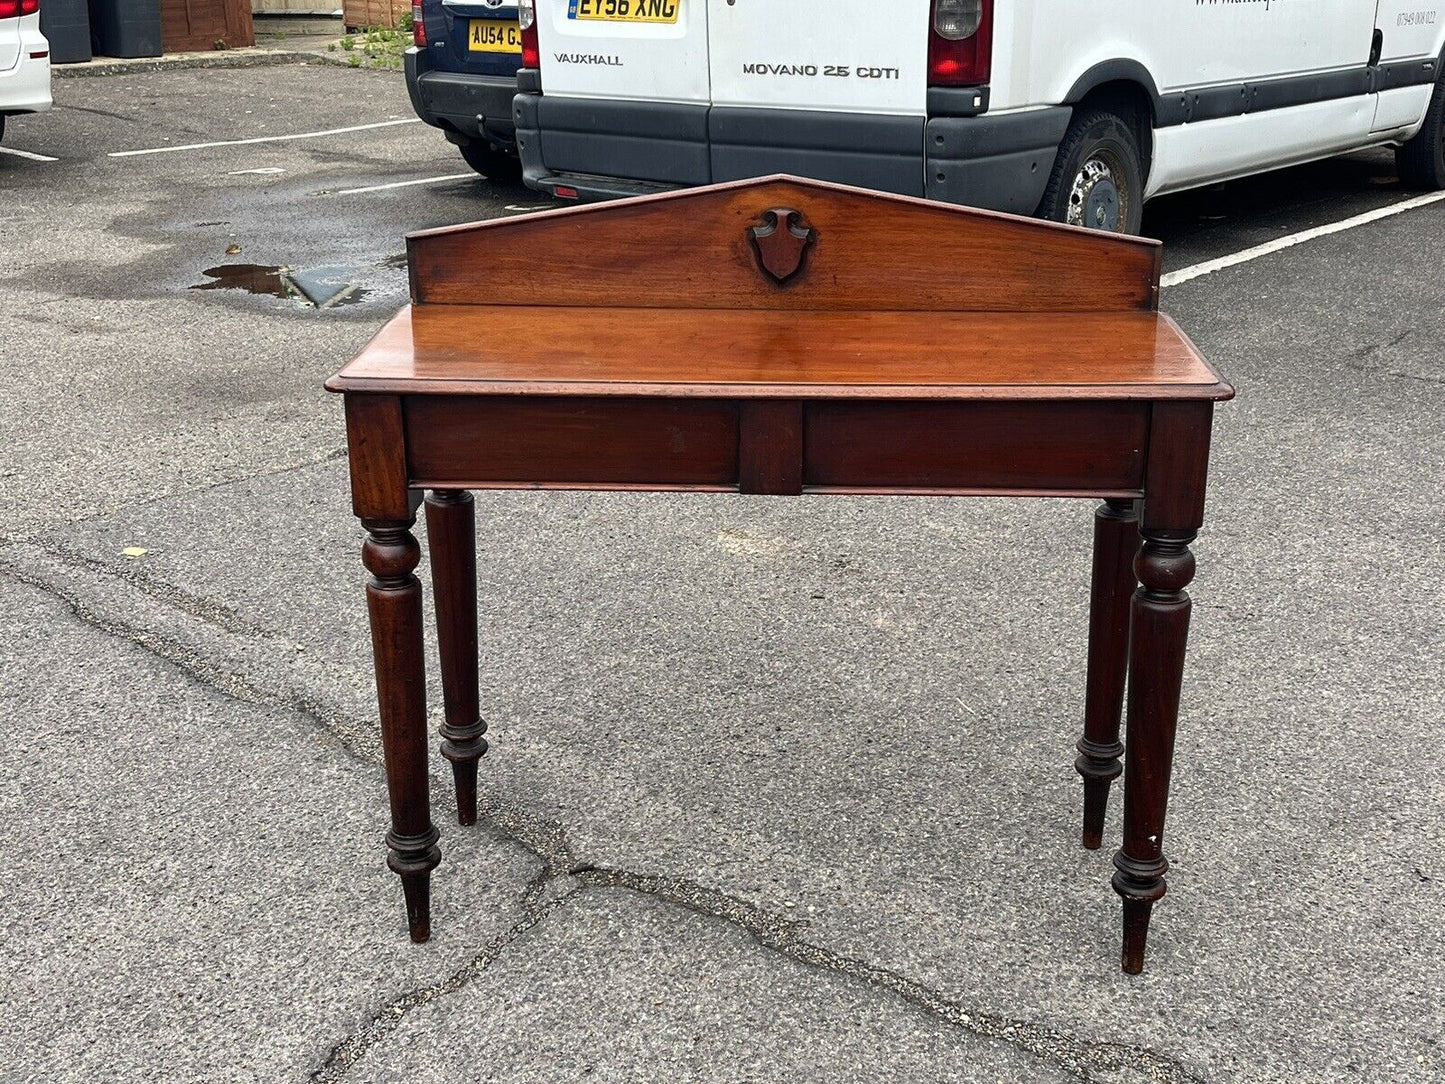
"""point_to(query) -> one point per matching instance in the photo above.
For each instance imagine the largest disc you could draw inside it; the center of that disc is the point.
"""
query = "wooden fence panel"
(198, 25)
(367, 13)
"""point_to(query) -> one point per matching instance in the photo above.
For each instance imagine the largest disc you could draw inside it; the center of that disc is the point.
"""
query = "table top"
(752, 353)
(782, 288)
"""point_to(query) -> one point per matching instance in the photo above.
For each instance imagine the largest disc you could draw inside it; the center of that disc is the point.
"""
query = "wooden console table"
(785, 337)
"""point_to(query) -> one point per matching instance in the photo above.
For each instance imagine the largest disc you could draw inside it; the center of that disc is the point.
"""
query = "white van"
(1077, 110)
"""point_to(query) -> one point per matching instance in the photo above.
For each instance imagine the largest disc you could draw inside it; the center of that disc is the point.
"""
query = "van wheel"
(1098, 180)
(1421, 161)
(491, 163)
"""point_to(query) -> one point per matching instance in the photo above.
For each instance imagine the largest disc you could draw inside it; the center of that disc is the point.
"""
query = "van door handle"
(1377, 48)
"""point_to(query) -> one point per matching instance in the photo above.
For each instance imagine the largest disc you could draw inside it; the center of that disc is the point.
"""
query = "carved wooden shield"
(781, 242)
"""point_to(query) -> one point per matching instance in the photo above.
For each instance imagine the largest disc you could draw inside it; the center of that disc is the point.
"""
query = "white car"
(1077, 110)
(24, 61)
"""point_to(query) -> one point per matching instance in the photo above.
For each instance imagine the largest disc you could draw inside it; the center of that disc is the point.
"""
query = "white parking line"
(263, 139)
(28, 154)
(402, 184)
(1208, 267)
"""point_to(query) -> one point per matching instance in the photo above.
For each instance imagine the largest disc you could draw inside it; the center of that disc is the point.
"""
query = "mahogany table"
(786, 337)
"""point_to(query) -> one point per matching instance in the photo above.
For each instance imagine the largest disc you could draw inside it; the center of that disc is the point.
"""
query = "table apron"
(784, 447)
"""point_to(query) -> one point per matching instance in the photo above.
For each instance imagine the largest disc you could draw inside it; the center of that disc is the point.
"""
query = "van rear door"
(626, 88)
(647, 50)
(847, 55)
(833, 88)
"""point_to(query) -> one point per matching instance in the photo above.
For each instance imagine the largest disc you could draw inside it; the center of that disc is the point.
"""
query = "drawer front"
(1022, 447)
(477, 441)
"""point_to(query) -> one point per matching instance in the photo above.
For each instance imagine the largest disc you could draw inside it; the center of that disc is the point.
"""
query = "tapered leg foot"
(1116, 540)
(1140, 883)
(413, 858)
(417, 888)
(1100, 766)
(451, 531)
(1136, 934)
(464, 775)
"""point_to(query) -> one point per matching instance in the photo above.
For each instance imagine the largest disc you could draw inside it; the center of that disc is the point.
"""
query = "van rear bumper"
(606, 149)
(999, 162)
(469, 106)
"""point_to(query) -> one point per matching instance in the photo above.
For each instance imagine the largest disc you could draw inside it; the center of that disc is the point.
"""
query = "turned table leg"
(1160, 629)
(1116, 540)
(451, 533)
(393, 600)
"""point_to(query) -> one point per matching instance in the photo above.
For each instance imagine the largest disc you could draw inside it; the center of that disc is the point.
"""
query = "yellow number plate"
(625, 11)
(494, 36)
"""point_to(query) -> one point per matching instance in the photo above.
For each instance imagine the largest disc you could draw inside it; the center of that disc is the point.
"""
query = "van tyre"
(1098, 177)
(495, 165)
(1421, 161)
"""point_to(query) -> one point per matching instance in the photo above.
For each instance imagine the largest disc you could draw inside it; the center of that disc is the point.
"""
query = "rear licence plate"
(494, 36)
(624, 11)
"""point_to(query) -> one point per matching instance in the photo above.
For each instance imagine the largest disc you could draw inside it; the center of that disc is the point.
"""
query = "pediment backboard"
(783, 243)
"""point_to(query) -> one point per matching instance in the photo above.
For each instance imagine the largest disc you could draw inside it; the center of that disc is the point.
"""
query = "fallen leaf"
(134, 552)
(233, 250)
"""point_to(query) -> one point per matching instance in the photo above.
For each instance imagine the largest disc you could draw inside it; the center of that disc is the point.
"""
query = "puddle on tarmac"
(251, 277)
(317, 287)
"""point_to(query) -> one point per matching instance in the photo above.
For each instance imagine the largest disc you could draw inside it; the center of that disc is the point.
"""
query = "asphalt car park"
(836, 876)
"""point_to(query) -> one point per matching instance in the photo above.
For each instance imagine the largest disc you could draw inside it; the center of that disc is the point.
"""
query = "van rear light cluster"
(418, 26)
(960, 43)
(527, 17)
(13, 9)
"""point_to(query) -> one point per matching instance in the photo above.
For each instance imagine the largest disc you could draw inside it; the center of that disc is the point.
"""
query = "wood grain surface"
(692, 249)
(994, 445)
(575, 441)
(452, 349)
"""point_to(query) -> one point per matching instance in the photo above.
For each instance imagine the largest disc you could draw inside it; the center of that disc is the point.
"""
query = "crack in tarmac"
(345, 1054)
(223, 617)
(204, 673)
(547, 841)
(180, 494)
(1078, 1057)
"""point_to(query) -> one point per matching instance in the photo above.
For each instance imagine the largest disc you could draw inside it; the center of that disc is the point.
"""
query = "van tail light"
(13, 9)
(418, 26)
(960, 43)
(531, 50)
